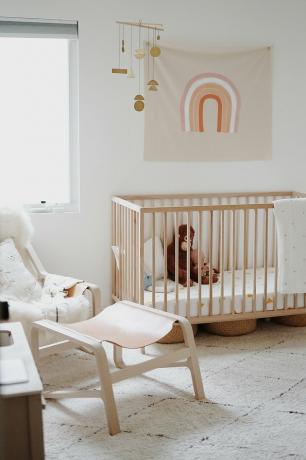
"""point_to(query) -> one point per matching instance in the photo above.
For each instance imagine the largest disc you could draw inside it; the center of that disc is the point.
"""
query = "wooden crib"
(235, 231)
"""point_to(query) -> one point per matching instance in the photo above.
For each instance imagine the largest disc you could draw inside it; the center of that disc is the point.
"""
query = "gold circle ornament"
(138, 97)
(139, 106)
(155, 51)
(152, 88)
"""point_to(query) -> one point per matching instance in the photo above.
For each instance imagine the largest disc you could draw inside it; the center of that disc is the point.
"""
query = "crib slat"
(188, 265)
(165, 264)
(141, 257)
(247, 229)
(121, 268)
(266, 259)
(122, 250)
(210, 261)
(114, 243)
(275, 269)
(137, 254)
(176, 243)
(125, 237)
(127, 253)
(255, 259)
(245, 255)
(131, 254)
(228, 238)
(134, 257)
(199, 265)
(233, 259)
(153, 260)
(123, 253)
(222, 262)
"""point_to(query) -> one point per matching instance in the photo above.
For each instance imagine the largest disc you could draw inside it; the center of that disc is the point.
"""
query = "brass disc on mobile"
(155, 51)
(152, 83)
(139, 104)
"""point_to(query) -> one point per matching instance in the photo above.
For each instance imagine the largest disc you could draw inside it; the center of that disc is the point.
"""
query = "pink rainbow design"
(215, 87)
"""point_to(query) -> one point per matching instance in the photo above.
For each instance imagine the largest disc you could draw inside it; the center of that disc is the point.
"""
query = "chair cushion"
(127, 324)
(16, 282)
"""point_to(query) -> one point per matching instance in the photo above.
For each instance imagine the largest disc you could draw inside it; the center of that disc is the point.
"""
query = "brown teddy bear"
(194, 262)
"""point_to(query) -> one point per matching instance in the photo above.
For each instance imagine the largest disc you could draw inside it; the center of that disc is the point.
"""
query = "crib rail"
(237, 234)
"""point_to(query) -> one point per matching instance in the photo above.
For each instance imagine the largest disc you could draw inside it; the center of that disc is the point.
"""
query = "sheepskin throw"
(16, 224)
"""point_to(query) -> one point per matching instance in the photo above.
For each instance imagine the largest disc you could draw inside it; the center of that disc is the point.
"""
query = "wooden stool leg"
(117, 354)
(193, 362)
(107, 391)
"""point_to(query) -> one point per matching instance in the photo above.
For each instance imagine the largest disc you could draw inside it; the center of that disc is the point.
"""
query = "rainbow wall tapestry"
(210, 107)
(210, 86)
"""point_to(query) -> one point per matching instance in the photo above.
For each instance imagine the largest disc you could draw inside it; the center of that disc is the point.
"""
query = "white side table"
(21, 432)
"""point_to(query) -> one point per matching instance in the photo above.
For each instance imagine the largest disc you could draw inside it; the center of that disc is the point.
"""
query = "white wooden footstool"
(128, 325)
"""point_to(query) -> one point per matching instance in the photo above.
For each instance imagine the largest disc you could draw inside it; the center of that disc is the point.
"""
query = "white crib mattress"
(216, 296)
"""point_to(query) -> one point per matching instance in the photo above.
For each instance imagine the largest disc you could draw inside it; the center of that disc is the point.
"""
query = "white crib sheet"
(216, 304)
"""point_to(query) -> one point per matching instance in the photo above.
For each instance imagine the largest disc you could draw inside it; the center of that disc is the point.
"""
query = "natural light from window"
(34, 120)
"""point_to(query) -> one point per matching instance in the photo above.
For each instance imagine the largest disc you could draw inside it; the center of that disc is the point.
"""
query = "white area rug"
(255, 408)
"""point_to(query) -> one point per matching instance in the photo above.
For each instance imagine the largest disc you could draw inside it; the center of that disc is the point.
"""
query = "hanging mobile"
(151, 51)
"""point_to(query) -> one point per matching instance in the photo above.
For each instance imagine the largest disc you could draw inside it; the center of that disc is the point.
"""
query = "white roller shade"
(48, 28)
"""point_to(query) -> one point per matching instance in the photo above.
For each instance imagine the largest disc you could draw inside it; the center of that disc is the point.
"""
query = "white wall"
(112, 133)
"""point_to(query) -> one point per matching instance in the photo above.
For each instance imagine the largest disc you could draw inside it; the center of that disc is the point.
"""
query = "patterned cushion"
(16, 282)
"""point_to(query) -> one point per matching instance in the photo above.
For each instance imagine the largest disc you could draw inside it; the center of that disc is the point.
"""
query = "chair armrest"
(63, 331)
(80, 288)
(96, 297)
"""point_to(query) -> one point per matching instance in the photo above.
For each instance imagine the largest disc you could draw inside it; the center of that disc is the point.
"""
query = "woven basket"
(291, 320)
(176, 334)
(232, 328)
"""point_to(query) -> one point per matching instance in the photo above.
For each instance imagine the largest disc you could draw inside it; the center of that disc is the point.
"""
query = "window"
(39, 114)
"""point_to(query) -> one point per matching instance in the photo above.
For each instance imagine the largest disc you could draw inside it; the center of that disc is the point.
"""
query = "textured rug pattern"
(255, 405)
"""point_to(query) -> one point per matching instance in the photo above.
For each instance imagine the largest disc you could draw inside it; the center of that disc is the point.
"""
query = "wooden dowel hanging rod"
(144, 25)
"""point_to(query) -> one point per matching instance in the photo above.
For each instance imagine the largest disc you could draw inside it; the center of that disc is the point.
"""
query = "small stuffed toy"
(182, 259)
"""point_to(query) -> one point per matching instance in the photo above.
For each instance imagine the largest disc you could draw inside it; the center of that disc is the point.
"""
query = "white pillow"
(159, 258)
(16, 282)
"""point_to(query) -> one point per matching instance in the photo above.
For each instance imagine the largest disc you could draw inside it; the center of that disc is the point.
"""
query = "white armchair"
(70, 300)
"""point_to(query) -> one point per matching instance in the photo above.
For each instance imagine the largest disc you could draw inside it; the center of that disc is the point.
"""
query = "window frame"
(73, 206)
